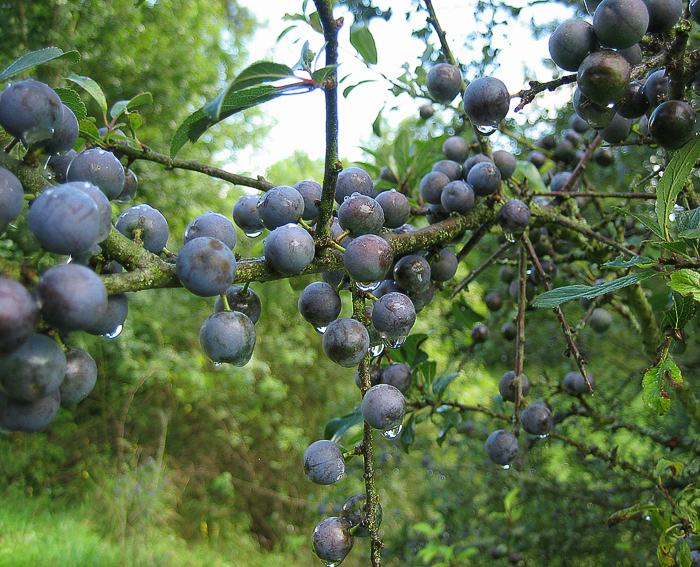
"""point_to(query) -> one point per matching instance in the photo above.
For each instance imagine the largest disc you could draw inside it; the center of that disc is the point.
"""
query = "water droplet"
(367, 286)
(218, 365)
(510, 237)
(647, 518)
(332, 564)
(114, 333)
(70, 259)
(393, 433)
(395, 342)
(376, 350)
(320, 330)
(506, 467)
(543, 436)
(253, 233)
(486, 129)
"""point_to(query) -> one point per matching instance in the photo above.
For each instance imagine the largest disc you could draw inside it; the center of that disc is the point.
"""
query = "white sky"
(299, 120)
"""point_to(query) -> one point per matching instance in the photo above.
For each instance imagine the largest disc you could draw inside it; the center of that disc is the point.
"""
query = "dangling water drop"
(486, 129)
(253, 233)
(367, 286)
(506, 467)
(376, 350)
(114, 333)
(218, 364)
(544, 436)
(510, 237)
(320, 330)
(395, 342)
(332, 564)
(393, 433)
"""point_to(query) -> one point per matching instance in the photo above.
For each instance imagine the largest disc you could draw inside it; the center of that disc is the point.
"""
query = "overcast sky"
(299, 120)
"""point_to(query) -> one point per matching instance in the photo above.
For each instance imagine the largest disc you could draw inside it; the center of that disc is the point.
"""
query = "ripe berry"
(246, 215)
(289, 249)
(395, 206)
(501, 447)
(228, 336)
(241, 299)
(11, 198)
(331, 540)
(455, 148)
(354, 511)
(486, 101)
(444, 266)
(575, 383)
(353, 180)
(452, 169)
(319, 304)
(368, 258)
(149, 222)
(323, 462)
(212, 225)
(431, 186)
(457, 197)
(346, 342)
(672, 124)
(206, 266)
(31, 111)
(620, 23)
(444, 82)
(507, 389)
(485, 178)
(72, 296)
(34, 370)
(100, 168)
(310, 191)
(394, 315)
(80, 378)
(536, 419)
(279, 206)
(412, 273)
(361, 214)
(383, 407)
(505, 162)
(514, 216)
(603, 77)
(570, 43)
(398, 375)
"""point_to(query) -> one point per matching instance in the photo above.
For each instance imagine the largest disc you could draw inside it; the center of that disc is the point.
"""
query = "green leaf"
(36, 58)
(408, 433)
(72, 100)
(681, 312)
(122, 106)
(687, 220)
(315, 22)
(199, 122)
(377, 124)
(629, 513)
(674, 468)
(690, 234)
(620, 262)
(336, 427)
(411, 352)
(656, 382)
(92, 88)
(443, 382)
(674, 178)
(351, 88)
(428, 369)
(556, 297)
(402, 151)
(89, 131)
(527, 171)
(647, 219)
(363, 40)
(320, 75)
(686, 282)
(255, 74)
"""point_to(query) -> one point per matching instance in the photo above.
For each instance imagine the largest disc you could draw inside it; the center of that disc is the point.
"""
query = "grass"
(38, 532)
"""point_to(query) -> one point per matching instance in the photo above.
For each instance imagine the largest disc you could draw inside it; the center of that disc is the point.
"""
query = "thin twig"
(596, 195)
(485, 264)
(520, 337)
(147, 154)
(526, 96)
(565, 327)
(475, 238)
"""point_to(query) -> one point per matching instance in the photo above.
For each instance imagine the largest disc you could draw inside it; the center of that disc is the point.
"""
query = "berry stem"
(224, 301)
(520, 325)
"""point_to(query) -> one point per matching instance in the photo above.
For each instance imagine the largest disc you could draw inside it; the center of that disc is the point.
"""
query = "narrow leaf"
(363, 40)
(620, 262)
(647, 219)
(675, 177)
(255, 74)
(556, 297)
(351, 88)
(320, 75)
(73, 101)
(92, 88)
(36, 58)
(336, 427)
(199, 122)
(680, 313)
